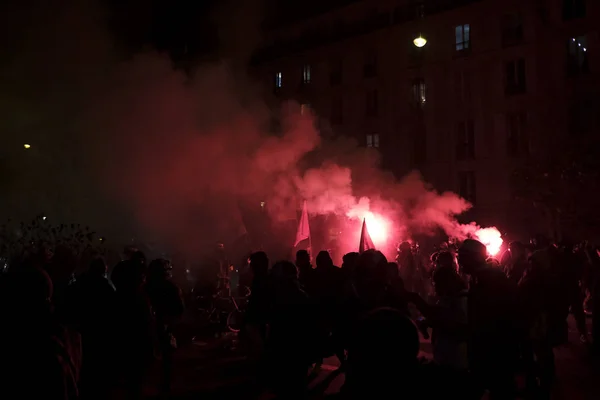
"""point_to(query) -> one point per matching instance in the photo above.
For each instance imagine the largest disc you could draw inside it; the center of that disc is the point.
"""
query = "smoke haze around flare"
(143, 147)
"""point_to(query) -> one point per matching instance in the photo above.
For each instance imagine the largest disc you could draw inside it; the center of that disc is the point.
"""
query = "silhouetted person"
(491, 312)
(291, 344)
(136, 329)
(408, 268)
(167, 303)
(95, 312)
(517, 263)
(571, 274)
(447, 317)
(39, 358)
(395, 295)
(61, 269)
(306, 273)
(537, 300)
(259, 303)
(383, 363)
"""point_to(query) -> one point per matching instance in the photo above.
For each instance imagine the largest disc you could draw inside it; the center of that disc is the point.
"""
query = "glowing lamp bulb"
(27, 146)
(420, 41)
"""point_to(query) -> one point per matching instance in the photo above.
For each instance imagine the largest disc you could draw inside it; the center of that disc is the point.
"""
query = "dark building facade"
(498, 90)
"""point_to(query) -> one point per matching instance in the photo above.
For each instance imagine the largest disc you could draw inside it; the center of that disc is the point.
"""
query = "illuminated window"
(577, 55)
(515, 79)
(373, 140)
(278, 80)
(419, 92)
(463, 37)
(306, 74)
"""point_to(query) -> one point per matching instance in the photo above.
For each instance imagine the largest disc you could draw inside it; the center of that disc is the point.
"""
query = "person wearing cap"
(492, 336)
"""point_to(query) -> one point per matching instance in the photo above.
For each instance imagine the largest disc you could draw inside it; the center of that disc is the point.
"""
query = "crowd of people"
(66, 338)
(490, 321)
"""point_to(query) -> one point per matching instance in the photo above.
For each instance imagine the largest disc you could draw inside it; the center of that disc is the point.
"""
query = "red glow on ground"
(491, 238)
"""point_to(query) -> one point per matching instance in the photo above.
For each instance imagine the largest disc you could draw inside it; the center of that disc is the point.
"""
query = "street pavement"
(213, 368)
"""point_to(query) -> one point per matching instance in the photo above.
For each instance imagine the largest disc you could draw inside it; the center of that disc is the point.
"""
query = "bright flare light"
(377, 225)
(420, 41)
(27, 146)
(491, 238)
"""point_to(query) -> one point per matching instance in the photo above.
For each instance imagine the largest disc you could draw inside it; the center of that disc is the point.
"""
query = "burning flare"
(378, 225)
(491, 238)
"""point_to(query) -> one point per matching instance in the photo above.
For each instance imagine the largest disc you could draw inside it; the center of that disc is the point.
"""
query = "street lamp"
(27, 146)
(420, 41)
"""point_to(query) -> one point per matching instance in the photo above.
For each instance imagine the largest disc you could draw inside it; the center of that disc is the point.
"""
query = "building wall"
(461, 86)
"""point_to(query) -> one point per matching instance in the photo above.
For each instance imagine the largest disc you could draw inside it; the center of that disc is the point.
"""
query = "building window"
(577, 57)
(419, 92)
(512, 30)
(371, 103)
(370, 67)
(573, 9)
(467, 186)
(515, 77)
(465, 140)
(278, 80)
(335, 73)
(337, 110)
(463, 37)
(517, 141)
(373, 140)
(306, 70)
(462, 84)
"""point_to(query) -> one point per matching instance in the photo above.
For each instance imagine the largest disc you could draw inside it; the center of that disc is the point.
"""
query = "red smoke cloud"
(169, 157)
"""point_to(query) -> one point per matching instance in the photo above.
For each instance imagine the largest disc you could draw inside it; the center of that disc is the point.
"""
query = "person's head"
(127, 276)
(259, 264)
(284, 272)
(385, 342)
(447, 281)
(128, 252)
(98, 267)
(302, 258)
(539, 242)
(517, 250)
(405, 247)
(139, 257)
(159, 269)
(350, 260)
(63, 264)
(370, 273)
(27, 290)
(472, 256)
(324, 259)
(445, 259)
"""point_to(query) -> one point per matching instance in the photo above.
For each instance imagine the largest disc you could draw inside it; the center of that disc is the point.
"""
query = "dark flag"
(303, 232)
(365, 239)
